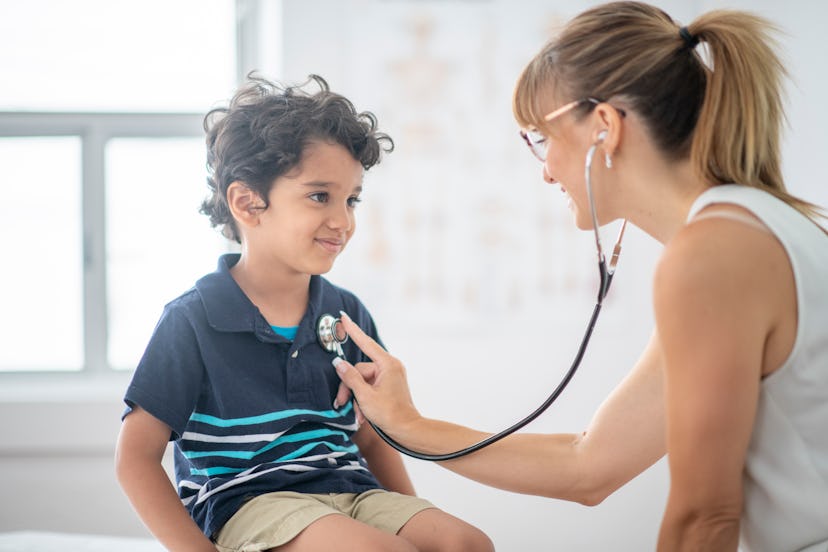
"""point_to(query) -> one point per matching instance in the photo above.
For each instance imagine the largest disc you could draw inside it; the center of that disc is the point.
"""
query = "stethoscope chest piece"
(331, 334)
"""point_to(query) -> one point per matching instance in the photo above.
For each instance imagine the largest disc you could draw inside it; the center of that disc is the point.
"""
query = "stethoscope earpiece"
(331, 334)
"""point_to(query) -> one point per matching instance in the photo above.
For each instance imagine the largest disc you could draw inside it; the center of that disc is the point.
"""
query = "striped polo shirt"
(250, 411)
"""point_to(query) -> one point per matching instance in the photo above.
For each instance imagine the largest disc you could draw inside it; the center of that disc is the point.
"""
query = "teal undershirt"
(288, 332)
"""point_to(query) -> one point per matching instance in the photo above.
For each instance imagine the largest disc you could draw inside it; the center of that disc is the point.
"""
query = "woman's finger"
(371, 348)
(342, 396)
(360, 417)
(351, 377)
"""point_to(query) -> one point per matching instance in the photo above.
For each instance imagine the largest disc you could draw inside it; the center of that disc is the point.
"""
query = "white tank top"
(786, 469)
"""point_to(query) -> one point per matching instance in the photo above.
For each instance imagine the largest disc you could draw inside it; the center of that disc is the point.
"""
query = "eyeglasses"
(537, 141)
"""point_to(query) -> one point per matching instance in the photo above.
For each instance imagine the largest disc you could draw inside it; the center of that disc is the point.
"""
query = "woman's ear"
(607, 128)
(245, 204)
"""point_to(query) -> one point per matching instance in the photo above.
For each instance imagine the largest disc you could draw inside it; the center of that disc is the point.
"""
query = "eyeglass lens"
(536, 142)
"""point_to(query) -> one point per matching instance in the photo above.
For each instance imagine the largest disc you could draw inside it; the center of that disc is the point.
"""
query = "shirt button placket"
(296, 379)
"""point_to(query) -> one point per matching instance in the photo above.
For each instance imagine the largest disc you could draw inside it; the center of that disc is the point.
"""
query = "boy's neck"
(281, 297)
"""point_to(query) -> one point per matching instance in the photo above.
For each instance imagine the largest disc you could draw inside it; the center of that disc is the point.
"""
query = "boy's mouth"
(333, 245)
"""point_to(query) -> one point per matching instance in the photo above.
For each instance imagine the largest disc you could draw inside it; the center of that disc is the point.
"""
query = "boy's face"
(310, 218)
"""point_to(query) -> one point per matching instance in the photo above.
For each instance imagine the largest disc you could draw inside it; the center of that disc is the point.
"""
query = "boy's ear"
(244, 203)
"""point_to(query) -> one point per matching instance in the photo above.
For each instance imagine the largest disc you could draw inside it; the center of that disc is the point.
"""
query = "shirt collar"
(228, 309)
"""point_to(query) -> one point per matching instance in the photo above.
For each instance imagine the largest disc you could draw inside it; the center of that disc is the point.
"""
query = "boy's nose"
(341, 219)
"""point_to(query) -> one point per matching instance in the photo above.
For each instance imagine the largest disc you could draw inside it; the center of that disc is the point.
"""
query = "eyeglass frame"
(606, 270)
(533, 144)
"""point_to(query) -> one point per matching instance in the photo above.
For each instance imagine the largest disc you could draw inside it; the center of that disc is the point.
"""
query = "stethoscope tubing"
(606, 273)
(508, 431)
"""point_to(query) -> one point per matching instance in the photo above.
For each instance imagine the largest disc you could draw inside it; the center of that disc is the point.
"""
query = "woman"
(734, 382)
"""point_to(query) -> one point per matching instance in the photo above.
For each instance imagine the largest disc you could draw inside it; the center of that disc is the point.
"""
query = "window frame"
(94, 130)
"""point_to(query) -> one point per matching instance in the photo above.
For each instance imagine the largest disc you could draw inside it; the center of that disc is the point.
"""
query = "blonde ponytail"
(725, 115)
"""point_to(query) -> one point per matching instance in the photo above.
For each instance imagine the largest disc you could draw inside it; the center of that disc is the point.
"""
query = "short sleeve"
(167, 381)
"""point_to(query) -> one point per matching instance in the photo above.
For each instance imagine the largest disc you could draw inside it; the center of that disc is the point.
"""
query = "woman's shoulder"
(725, 266)
(721, 239)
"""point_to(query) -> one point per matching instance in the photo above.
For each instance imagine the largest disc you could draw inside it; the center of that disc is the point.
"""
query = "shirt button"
(295, 354)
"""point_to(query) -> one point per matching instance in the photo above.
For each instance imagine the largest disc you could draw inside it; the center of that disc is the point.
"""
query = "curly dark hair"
(263, 132)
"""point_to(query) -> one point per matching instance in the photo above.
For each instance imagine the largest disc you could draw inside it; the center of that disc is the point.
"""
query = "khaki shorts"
(274, 519)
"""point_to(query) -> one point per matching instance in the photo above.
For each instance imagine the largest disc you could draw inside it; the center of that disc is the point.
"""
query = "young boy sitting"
(266, 457)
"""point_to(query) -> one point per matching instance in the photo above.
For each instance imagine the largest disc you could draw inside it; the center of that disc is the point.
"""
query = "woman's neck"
(659, 195)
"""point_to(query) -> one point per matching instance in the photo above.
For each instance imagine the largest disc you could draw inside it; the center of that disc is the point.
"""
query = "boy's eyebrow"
(324, 184)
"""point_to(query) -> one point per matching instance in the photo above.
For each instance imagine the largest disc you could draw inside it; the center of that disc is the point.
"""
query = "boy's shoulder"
(348, 298)
(211, 288)
(185, 301)
(187, 306)
(331, 287)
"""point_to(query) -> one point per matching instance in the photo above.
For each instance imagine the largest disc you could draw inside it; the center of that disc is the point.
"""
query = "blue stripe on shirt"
(270, 417)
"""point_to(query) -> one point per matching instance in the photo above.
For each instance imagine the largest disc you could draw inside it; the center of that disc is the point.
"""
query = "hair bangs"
(533, 85)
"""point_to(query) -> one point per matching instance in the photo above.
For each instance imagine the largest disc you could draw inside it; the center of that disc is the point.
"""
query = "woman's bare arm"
(624, 438)
(718, 290)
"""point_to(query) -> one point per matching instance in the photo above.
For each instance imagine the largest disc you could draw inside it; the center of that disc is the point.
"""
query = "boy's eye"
(319, 197)
(352, 201)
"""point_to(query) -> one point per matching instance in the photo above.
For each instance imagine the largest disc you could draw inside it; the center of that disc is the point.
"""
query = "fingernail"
(344, 315)
(339, 365)
(336, 404)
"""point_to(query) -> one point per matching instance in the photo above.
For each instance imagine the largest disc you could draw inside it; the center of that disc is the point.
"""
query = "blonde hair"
(725, 116)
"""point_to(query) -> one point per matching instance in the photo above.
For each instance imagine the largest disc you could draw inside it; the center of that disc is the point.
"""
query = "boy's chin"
(320, 270)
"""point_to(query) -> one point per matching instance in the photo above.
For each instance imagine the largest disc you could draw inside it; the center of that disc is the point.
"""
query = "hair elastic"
(690, 41)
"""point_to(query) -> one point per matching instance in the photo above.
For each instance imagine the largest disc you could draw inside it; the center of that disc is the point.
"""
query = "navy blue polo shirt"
(250, 411)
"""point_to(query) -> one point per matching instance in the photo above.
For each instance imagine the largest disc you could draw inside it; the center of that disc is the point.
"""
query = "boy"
(266, 456)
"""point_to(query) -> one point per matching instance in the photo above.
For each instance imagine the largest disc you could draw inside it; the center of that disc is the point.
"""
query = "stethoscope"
(332, 335)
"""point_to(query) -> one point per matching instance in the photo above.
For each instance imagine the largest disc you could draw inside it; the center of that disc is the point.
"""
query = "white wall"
(466, 259)
(470, 263)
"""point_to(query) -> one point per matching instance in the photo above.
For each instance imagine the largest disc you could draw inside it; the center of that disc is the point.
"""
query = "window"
(98, 55)
(102, 152)
(43, 268)
(157, 241)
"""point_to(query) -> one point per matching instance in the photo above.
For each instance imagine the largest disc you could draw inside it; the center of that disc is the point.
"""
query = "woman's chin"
(582, 221)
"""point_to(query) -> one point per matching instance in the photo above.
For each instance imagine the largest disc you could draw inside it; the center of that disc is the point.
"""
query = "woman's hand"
(380, 387)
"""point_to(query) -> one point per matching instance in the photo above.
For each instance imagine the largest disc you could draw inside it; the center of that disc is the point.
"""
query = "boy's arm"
(384, 462)
(138, 456)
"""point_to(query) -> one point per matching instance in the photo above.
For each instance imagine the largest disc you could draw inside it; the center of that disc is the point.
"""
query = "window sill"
(63, 387)
(60, 415)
